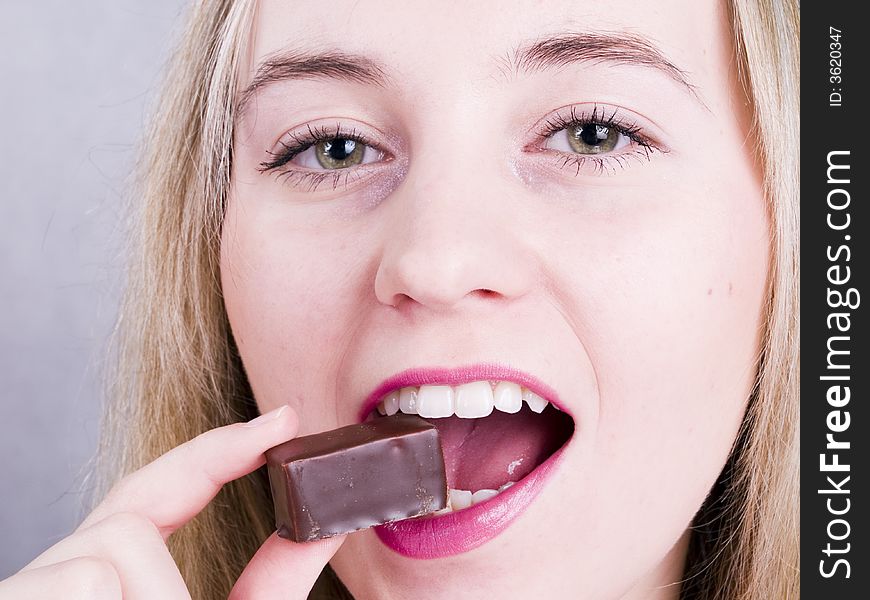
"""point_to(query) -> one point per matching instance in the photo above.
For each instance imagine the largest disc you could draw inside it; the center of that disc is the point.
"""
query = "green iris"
(339, 153)
(592, 138)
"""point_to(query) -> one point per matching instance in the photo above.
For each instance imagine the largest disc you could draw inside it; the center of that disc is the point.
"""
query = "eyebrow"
(548, 53)
(323, 65)
(618, 49)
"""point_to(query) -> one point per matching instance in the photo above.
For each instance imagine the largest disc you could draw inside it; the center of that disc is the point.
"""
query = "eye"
(327, 154)
(336, 153)
(595, 139)
(320, 149)
(588, 138)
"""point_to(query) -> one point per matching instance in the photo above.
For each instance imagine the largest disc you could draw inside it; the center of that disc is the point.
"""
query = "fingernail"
(266, 417)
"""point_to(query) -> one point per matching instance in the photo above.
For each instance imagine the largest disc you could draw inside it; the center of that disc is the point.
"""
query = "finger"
(174, 488)
(80, 578)
(135, 549)
(284, 569)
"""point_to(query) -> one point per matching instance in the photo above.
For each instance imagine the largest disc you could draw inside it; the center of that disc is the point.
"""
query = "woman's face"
(560, 195)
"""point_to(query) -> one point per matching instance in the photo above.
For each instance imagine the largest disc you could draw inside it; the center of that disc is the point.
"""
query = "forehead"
(472, 40)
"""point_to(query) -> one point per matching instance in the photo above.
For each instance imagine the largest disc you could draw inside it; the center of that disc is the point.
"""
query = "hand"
(119, 551)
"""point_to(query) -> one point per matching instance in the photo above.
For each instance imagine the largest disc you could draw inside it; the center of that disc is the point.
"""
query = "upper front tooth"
(408, 400)
(535, 402)
(474, 400)
(508, 397)
(435, 401)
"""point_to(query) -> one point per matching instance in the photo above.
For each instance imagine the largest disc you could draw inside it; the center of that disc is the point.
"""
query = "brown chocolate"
(383, 470)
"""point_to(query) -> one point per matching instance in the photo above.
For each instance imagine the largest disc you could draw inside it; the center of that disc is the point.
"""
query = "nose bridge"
(450, 235)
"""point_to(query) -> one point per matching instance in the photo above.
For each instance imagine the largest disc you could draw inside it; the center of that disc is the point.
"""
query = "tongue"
(487, 453)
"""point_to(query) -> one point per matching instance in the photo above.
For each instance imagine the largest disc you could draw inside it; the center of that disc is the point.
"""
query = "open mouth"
(493, 433)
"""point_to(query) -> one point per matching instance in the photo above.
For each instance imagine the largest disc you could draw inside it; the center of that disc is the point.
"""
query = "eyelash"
(643, 148)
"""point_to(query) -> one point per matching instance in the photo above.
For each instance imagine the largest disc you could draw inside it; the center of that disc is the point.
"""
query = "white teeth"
(535, 402)
(508, 397)
(481, 495)
(474, 400)
(460, 499)
(408, 400)
(391, 403)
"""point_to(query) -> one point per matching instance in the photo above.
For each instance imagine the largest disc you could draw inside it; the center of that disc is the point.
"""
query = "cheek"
(669, 296)
(292, 295)
(679, 339)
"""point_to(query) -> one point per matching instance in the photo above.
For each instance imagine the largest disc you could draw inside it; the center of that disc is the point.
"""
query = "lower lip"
(455, 533)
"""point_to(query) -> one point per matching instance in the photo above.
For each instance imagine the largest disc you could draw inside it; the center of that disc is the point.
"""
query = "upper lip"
(417, 376)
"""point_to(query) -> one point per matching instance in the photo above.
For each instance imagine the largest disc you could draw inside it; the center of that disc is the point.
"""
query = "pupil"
(340, 149)
(593, 135)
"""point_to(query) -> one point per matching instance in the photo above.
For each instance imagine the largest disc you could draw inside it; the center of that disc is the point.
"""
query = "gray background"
(76, 79)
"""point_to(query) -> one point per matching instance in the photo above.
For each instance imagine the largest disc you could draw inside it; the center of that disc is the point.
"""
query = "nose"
(450, 240)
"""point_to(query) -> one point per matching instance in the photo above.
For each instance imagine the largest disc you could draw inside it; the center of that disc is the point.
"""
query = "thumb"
(284, 569)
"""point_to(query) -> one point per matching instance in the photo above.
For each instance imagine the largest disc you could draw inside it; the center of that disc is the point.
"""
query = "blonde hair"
(747, 535)
(177, 371)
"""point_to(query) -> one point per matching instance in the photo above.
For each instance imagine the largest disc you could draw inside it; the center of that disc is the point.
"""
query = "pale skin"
(633, 286)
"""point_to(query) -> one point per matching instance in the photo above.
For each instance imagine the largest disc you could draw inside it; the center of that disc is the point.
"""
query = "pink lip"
(455, 533)
(435, 375)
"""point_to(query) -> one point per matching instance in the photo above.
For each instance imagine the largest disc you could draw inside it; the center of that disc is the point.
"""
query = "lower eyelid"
(311, 180)
(602, 164)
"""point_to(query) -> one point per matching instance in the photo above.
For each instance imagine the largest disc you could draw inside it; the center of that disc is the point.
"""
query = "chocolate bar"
(353, 477)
